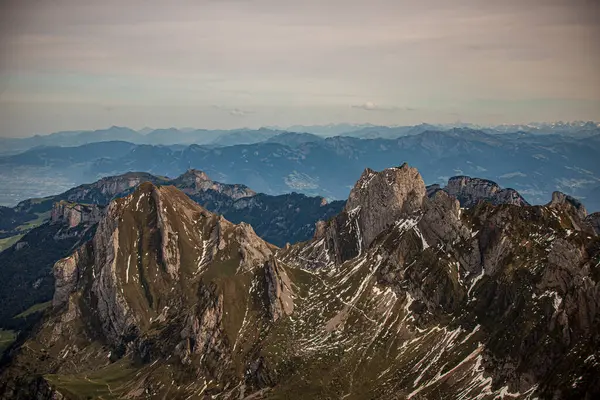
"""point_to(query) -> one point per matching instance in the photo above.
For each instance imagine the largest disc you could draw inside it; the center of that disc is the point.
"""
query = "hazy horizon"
(288, 127)
(70, 65)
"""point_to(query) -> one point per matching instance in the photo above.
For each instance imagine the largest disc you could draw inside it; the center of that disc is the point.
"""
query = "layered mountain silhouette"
(403, 294)
(531, 163)
(278, 219)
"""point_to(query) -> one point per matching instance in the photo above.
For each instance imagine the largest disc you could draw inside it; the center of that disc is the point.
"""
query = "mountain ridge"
(475, 302)
(234, 200)
(533, 165)
(280, 219)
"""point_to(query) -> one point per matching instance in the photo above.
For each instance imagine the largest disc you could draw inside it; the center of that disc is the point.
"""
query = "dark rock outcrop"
(594, 221)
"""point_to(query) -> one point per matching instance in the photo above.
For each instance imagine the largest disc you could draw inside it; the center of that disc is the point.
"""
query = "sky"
(74, 64)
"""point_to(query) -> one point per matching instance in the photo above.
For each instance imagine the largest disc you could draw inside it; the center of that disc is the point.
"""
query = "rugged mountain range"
(404, 294)
(170, 136)
(278, 219)
(187, 136)
(579, 129)
(534, 165)
(393, 132)
(25, 268)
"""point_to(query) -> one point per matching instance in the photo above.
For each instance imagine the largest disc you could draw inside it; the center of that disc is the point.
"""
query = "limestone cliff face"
(375, 203)
(379, 199)
(66, 274)
(470, 191)
(279, 290)
(74, 214)
(154, 239)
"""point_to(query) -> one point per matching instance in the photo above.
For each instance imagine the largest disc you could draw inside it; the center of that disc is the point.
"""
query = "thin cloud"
(300, 64)
(236, 112)
(239, 113)
(370, 106)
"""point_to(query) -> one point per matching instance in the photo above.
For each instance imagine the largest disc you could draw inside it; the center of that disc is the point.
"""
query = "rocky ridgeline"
(194, 181)
(519, 273)
(106, 188)
(279, 219)
(101, 192)
(404, 294)
(470, 191)
(159, 260)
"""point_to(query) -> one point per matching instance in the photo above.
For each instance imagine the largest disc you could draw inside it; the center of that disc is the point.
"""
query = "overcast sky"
(74, 64)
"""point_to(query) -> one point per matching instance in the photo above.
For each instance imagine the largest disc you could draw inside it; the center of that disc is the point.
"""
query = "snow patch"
(477, 279)
(423, 241)
(127, 269)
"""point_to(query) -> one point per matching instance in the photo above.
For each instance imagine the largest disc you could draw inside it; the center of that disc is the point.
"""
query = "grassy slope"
(21, 230)
(9, 241)
(33, 309)
(6, 339)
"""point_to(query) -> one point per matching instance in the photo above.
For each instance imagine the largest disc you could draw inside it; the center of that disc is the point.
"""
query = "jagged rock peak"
(560, 199)
(377, 201)
(380, 198)
(470, 191)
(150, 245)
(193, 176)
(73, 214)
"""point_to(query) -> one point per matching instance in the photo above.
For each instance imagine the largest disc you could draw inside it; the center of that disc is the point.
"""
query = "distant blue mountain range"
(276, 162)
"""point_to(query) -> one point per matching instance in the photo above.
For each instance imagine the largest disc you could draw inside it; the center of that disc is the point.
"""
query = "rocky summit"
(403, 295)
